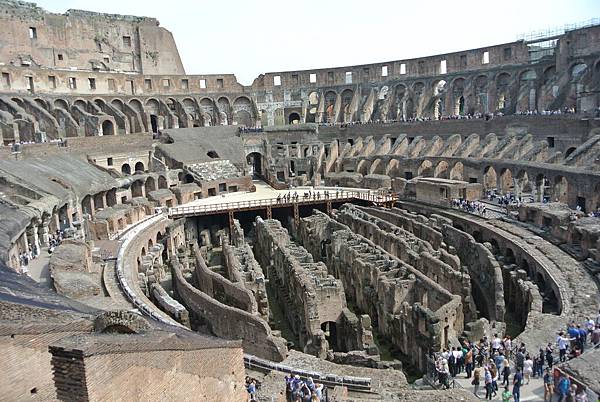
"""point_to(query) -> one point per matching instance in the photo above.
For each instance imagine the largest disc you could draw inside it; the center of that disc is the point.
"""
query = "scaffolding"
(550, 33)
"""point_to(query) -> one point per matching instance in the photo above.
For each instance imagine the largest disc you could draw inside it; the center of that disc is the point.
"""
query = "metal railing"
(314, 198)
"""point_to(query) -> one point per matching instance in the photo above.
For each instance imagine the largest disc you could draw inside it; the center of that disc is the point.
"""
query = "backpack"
(451, 359)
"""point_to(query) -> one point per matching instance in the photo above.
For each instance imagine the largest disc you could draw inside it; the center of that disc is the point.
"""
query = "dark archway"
(126, 168)
(294, 118)
(154, 123)
(254, 161)
(108, 128)
(139, 167)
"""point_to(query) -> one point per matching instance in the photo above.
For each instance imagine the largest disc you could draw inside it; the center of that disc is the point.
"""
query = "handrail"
(282, 202)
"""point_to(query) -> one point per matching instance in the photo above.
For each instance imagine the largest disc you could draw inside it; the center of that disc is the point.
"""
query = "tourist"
(505, 372)
(488, 383)
(469, 361)
(520, 359)
(548, 385)
(499, 360)
(538, 364)
(494, 371)
(506, 395)
(595, 338)
(319, 391)
(517, 382)
(289, 381)
(476, 381)
(251, 388)
(549, 355)
(496, 344)
(564, 386)
(452, 363)
(581, 396)
(563, 344)
(527, 368)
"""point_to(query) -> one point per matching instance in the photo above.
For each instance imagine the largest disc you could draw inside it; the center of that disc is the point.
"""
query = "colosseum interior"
(170, 234)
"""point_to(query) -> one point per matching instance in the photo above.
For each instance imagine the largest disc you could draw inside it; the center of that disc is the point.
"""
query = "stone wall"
(229, 322)
(116, 367)
(312, 298)
(414, 312)
(220, 288)
(242, 268)
(485, 272)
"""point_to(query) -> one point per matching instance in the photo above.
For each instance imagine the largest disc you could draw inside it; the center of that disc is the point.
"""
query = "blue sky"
(248, 37)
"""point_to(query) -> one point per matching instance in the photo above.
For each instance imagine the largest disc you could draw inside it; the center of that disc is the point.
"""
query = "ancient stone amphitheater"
(163, 235)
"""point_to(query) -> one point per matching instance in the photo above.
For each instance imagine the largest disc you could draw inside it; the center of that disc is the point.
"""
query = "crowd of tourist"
(473, 207)
(491, 363)
(535, 112)
(34, 252)
(244, 130)
(296, 389)
(299, 390)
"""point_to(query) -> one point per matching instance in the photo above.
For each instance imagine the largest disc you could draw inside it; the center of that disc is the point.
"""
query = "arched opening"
(126, 168)
(363, 167)
(461, 105)
(560, 191)
(150, 244)
(522, 181)
(457, 172)
(506, 181)
(162, 182)
(425, 169)
(254, 161)
(137, 189)
(509, 256)
(111, 197)
(139, 167)
(154, 123)
(495, 247)
(569, 152)
(294, 118)
(188, 178)
(441, 170)
(212, 154)
(86, 205)
(330, 330)
(477, 236)
(108, 128)
(542, 188)
(150, 184)
(489, 178)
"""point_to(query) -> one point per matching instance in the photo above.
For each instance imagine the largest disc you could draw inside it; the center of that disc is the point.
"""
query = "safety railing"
(282, 201)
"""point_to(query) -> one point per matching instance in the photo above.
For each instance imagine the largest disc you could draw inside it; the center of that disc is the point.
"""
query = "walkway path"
(266, 197)
(534, 391)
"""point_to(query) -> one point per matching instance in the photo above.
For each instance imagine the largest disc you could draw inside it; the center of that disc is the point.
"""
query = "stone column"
(33, 238)
(44, 230)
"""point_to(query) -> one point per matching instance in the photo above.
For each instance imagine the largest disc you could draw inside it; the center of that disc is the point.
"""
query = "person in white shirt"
(496, 343)
(527, 368)
(563, 344)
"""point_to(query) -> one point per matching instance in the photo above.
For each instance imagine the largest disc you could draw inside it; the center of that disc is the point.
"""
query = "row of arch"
(541, 184)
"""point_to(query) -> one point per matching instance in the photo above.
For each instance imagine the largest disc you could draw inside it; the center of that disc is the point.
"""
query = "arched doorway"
(126, 169)
(489, 178)
(154, 123)
(294, 118)
(139, 167)
(254, 161)
(560, 191)
(108, 128)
